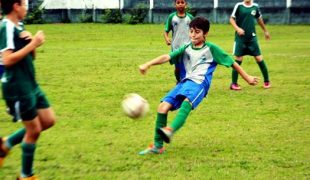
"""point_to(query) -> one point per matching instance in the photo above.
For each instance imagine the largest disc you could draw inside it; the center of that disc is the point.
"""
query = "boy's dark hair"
(7, 5)
(200, 23)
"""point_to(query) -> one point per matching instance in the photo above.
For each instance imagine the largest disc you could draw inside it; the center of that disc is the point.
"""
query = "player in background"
(243, 20)
(20, 89)
(178, 23)
(199, 59)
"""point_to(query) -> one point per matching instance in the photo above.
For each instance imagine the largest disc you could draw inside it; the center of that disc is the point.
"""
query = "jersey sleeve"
(234, 14)
(258, 14)
(168, 24)
(6, 37)
(191, 17)
(174, 55)
(220, 56)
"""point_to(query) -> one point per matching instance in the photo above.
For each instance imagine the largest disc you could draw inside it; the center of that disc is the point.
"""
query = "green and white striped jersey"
(180, 29)
(246, 18)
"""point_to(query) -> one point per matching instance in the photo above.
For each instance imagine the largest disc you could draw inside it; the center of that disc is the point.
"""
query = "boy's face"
(180, 5)
(247, 1)
(197, 36)
(21, 9)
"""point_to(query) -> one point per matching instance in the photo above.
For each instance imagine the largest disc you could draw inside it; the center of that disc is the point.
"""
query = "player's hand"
(252, 80)
(168, 42)
(267, 35)
(143, 68)
(38, 39)
(240, 32)
(26, 35)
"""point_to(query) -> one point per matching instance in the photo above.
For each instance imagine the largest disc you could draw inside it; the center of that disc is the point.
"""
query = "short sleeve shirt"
(246, 18)
(180, 29)
(200, 63)
(18, 80)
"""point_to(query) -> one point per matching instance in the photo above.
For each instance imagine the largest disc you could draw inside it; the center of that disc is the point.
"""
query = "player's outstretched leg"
(157, 147)
(167, 132)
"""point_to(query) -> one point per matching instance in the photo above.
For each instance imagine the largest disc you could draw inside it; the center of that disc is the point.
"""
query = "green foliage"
(136, 15)
(112, 16)
(86, 69)
(86, 18)
(35, 16)
(191, 10)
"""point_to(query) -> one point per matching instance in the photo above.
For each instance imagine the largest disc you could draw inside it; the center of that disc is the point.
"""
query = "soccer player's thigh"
(254, 48)
(172, 96)
(193, 92)
(239, 49)
(45, 112)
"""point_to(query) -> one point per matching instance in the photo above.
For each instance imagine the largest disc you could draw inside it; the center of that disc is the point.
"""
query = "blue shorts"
(186, 89)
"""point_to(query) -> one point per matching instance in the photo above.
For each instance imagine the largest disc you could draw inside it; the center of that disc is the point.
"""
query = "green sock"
(27, 159)
(234, 74)
(161, 121)
(15, 138)
(263, 68)
(181, 116)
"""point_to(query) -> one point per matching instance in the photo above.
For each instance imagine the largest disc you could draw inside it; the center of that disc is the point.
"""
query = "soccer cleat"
(165, 133)
(267, 85)
(3, 152)
(33, 177)
(152, 150)
(235, 86)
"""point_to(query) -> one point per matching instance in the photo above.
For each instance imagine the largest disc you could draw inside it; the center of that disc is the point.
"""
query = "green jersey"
(246, 17)
(18, 80)
(180, 29)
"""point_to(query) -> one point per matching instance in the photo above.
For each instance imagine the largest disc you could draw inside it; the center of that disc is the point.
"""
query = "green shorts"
(246, 48)
(25, 108)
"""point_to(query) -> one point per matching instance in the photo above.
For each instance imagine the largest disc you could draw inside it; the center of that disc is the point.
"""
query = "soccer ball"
(135, 106)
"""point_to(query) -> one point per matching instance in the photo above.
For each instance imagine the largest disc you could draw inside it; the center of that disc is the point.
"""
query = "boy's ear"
(15, 6)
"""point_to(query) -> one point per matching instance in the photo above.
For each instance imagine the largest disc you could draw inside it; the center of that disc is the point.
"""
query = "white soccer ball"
(135, 106)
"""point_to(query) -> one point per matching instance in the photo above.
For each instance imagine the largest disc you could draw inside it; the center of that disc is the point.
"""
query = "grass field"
(86, 69)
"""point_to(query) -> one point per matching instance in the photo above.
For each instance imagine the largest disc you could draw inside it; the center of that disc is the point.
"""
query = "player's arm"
(167, 38)
(262, 25)
(239, 30)
(156, 61)
(252, 80)
(10, 58)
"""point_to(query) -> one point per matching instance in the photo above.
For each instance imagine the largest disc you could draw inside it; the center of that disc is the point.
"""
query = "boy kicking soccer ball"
(21, 92)
(199, 59)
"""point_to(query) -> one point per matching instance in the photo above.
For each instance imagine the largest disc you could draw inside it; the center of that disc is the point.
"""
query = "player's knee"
(48, 122)
(163, 108)
(34, 132)
(258, 58)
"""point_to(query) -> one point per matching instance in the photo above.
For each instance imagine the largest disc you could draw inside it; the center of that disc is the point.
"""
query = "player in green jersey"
(178, 23)
(21, 92)
(199, 60)
(243, 19)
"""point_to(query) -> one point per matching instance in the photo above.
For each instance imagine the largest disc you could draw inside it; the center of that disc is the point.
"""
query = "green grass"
(86, 69)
